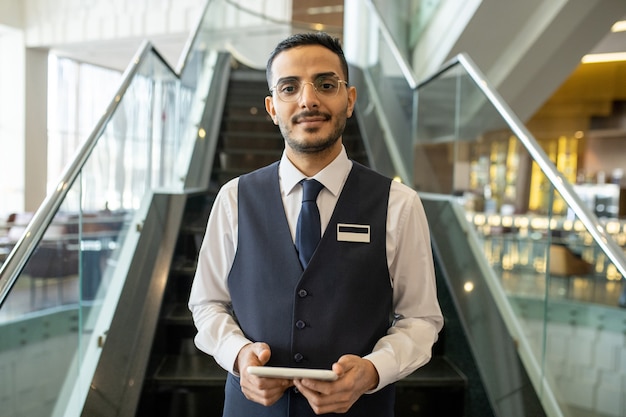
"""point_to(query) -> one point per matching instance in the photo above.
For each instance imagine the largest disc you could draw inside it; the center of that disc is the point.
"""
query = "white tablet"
(292, 373)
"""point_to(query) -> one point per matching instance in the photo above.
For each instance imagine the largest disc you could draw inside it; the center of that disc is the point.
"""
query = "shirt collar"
(332, 177)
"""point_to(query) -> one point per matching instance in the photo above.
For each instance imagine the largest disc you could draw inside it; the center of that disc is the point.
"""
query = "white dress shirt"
(408, 342)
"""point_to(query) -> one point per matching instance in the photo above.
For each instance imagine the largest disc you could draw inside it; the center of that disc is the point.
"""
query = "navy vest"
(341, 304)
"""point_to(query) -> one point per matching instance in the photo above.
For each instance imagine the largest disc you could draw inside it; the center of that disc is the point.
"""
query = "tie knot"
(310, 190)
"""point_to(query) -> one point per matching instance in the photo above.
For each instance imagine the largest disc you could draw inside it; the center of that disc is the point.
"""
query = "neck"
(312, 163)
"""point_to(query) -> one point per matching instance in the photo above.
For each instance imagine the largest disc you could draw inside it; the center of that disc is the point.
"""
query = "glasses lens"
(327, 86)
(290, 90)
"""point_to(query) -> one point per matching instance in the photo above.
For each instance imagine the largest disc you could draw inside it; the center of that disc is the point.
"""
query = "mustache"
(310, 113)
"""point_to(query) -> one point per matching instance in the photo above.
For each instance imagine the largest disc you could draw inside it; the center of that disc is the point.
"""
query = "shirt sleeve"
(418, 319)
(209, 302)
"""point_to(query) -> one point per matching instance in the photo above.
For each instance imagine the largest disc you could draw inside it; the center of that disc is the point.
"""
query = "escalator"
(127, 350)
(130, 350)
(180, 380)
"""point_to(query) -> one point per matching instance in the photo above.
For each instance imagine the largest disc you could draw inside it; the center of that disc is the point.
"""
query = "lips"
(311, 119)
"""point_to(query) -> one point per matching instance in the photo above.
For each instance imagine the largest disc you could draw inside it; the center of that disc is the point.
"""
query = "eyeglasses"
(290, 90)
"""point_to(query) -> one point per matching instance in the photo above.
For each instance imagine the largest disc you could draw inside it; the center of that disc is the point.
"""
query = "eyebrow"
(318, 75)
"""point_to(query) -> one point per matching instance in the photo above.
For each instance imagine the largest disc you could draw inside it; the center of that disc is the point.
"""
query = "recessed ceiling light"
(608, 57)
(619, 26)
(325, 9)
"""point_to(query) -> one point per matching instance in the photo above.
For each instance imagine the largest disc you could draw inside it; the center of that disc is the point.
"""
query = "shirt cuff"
(226, 355)
(385, 365)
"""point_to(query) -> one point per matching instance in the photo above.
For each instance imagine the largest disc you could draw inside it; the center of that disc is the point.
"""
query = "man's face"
(313, 122)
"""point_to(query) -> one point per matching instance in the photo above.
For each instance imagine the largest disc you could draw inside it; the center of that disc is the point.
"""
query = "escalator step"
(189, 370)
(178, 314)
(437, 389)
(202, 370)
(439, 372)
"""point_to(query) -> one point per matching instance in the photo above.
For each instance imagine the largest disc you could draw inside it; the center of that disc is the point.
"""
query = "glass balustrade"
(60, 282)
(66, 264)
(555, 269)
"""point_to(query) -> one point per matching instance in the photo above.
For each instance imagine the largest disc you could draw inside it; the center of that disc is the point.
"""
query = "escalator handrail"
(558, 181)
(191, 40)
(36, 228)
(595, 228)
(406, 69)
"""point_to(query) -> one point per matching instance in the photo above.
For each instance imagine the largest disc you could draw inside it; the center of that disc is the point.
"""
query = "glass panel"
(560, 284)
(78, 94)
(541, 262)
(422, 11)
(61, 301)
(517, 214)
(386, 92)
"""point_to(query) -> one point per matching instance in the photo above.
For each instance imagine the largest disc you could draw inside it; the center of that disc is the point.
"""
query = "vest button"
(303, 293)
(300, 324)
(298, 357)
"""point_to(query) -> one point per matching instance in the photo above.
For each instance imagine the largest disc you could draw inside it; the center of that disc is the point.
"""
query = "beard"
(314, 144)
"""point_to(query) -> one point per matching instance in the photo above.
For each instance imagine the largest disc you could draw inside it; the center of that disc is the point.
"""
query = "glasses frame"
(302, 84)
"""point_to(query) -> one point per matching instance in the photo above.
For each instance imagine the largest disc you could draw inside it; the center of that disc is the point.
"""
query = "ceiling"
(117, 54)
(612, 42)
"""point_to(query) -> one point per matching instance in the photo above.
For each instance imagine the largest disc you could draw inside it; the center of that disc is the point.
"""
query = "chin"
(313, 146)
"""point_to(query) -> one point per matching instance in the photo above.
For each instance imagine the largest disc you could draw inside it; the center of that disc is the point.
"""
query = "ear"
(351, 101)
(269, 107)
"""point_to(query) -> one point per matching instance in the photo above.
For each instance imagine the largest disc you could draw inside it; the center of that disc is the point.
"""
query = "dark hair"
(301, 39)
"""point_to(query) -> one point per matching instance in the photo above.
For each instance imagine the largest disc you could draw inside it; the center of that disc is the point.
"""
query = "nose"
(308, 97)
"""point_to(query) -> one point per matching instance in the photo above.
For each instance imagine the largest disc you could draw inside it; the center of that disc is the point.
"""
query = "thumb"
(339, 368)
(344, 364)
(263, 352)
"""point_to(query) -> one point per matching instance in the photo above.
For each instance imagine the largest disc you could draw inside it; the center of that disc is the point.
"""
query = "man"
(365, 303)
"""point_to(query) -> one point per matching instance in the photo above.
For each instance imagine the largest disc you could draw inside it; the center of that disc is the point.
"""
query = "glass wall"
(78, 94)
(552, 268)
(63, 298)
(12, 80)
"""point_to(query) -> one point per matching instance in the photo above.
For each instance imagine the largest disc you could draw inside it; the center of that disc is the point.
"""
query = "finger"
(315, 386)
(320, 403)
(309, 393)
(264, 391)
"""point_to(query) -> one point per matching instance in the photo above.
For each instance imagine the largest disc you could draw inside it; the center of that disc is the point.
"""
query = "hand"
(356, 376)
(265, 391)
